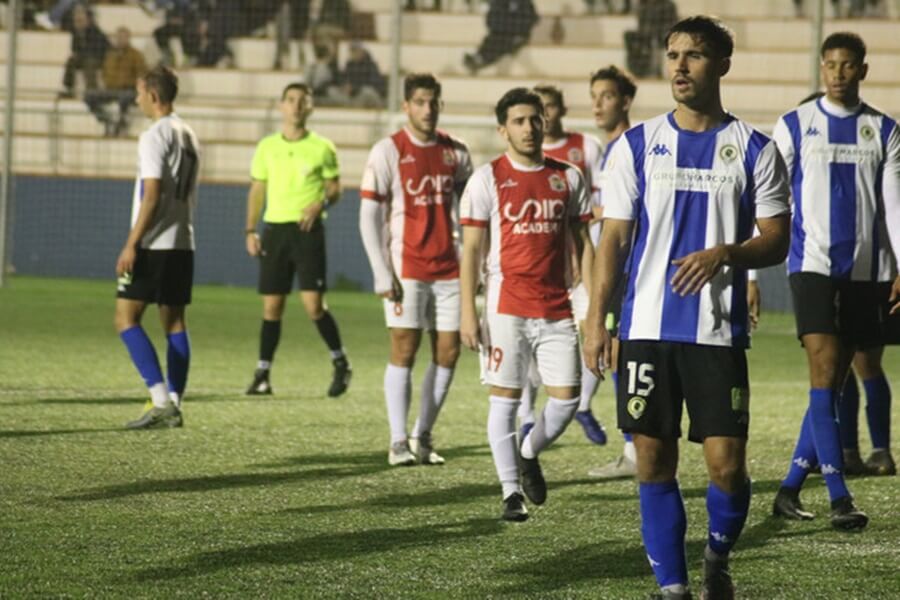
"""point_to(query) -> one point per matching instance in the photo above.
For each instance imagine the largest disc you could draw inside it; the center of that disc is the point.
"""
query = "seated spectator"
(324, 78)
(54, 18)
(232, 18)
(509, 24)
(332, 23)
(182, 20)
(363, 84)
(89, 46)
(643, 47)
(121, 68)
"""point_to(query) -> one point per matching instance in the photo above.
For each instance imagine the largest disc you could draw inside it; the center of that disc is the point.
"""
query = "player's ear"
(864, 70)
(724, 66)
(627, 101)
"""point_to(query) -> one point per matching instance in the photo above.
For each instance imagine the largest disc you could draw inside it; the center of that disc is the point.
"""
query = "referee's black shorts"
(162, 277)
(286, 251)
(852, 310)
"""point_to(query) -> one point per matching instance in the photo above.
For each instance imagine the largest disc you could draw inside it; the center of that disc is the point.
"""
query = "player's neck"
(554, 135)
(848, 104)
(420, 136)
(612, 134)
(160, 111)
(700, 119)
(525, 160)
(292, 132)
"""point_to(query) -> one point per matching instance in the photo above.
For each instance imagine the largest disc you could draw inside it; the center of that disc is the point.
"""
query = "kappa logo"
(812, 131)
(508, 183)
(830, 470)
(719, 537)
(652, 562)
(409, 158)
(802, 463)
(660, 150)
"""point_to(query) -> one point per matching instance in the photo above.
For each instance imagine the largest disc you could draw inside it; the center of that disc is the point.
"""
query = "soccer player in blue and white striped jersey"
(844, 160)
(688, 186)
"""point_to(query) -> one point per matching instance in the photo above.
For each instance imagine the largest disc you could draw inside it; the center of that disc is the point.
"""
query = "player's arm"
(256, 197)
(473, 238)
(754, 298)
(890, 189)
(609, 262)
(771, 194)
(584, 250)
(149, 202)
(371, 228)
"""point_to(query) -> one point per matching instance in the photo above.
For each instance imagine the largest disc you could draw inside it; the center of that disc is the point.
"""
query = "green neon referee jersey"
(294, 172)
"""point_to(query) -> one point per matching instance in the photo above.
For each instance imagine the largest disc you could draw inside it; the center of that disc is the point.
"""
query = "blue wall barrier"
(74, 227)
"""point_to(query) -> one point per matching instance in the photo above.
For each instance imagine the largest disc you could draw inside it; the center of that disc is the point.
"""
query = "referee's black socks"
(269, 334)
(328, 329)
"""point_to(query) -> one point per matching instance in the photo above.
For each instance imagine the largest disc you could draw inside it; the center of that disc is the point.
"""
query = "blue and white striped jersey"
(841, 164)
(689, 191)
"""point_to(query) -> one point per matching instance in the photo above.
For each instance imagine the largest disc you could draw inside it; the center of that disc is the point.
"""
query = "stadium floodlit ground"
(291, 496)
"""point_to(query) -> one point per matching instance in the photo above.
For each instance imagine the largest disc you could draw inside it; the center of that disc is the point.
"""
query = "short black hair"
(847, 40)
(623, 80)
(519, 95)
(416, 81)
(297, 85)
(711, 30)
(163, 82)
(547, 89)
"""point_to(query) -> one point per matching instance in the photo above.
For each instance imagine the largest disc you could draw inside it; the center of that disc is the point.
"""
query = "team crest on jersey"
(728, 153)
(449, 157)
(866, 132)
(556, 183)
(636, 407)
(575, 155)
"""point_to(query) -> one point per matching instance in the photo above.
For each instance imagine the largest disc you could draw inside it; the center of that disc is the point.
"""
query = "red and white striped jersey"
(529, 212)
(584, 152)
(419, 182)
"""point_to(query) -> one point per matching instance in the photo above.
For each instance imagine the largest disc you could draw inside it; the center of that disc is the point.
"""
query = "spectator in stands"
(644, 46)
(363, 83)
(332, 23)
(122, 67)
(232, 18)
(57, 16)
(323, 77)
(509, 24)
(89, 46)
(182, 20)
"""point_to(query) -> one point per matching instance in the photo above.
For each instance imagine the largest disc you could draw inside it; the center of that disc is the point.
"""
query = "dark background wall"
(73, 227)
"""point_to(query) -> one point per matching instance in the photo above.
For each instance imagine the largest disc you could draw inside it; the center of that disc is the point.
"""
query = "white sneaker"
(44, 22)
(620, 469)
(400, 456)
(424, 451)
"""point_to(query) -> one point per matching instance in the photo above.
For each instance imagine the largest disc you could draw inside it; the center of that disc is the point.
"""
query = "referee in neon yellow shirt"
(295, 175)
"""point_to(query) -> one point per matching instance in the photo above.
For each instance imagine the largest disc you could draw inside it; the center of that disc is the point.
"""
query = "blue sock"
(663, 526)
(878, 411)
(727, 515)
(627, 437)
(178, 360)
(804, 456)
(827, 439)
(143, 355)
(848, 414)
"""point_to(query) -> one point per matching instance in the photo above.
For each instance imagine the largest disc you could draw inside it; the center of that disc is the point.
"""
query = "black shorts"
(656, 378)
(890, 324)
(160, 277)
(287, 250)
(850, 310)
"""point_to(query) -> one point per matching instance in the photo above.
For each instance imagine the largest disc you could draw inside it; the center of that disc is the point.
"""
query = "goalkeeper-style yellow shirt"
(294, 172)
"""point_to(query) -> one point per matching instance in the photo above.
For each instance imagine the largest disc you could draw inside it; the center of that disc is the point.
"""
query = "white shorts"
(432, 305)
(509, 343)
(580, 301)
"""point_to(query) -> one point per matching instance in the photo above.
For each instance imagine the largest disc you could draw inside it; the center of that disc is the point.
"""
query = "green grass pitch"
(292, 496)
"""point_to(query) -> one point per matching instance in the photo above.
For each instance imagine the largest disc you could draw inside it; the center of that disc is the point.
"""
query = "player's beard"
(425, 127)
(534, 152)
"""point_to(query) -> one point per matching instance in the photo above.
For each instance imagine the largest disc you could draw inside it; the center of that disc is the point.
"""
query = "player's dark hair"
(162, 81)
(848, 41)
(519, 95)
(423, 81)
(546, 89)
(623, 80)
(711, 30)
(297, 85)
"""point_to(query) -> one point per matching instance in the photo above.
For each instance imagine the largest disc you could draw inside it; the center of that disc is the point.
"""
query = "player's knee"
(123, 321)
(447, 355)
(728, 476)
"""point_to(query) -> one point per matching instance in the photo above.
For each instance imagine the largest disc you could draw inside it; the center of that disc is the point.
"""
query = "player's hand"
(754, 303)
(395, 294)
(254, 246)
(469, 332)
(697, 269)
(125, 263)
(597, 348)
(895, 296)
(310, 215)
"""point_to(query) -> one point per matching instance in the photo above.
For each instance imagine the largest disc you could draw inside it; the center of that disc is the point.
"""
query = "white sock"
(556, 417)
(159, 394)
(526, 406)
(589, 383)
(396, 396)
(501, 430)
(629, 452)
(175, 398)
